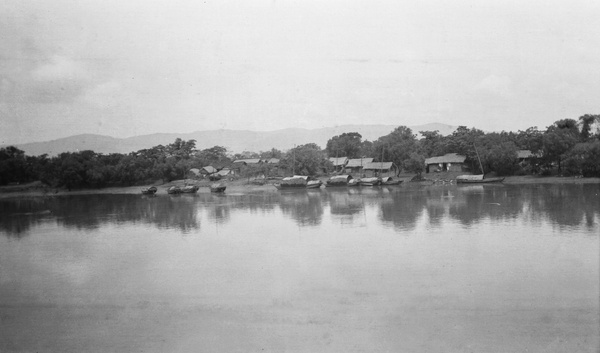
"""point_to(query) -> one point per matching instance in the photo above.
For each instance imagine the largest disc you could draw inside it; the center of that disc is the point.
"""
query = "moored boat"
(190, 189)
(173, 190)
(477, 179)
(298, 182)
(390, 181)
(218, 188)
(374, 181)
(149, 191)
(339, 180)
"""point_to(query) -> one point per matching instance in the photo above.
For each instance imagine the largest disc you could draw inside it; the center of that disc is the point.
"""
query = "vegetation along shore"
(566, 151)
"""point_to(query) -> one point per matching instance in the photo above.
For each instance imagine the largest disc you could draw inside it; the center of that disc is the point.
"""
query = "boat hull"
(480, 181)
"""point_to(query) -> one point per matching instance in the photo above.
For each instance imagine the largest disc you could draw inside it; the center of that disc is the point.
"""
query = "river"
(478, 268)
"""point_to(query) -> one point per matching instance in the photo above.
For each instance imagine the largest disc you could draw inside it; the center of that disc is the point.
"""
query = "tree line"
(568, 146)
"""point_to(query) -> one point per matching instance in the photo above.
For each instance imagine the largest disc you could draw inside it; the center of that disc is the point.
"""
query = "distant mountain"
(234, 140)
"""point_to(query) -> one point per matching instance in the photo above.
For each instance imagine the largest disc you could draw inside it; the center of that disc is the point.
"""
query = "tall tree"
(306, 159)
(345, 145)
(396, 147)
(558, 139)
(586, 121)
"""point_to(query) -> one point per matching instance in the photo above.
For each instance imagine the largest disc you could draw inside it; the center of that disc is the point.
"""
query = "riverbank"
(247, 186)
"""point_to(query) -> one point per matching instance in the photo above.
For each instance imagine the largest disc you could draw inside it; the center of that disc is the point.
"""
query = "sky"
(126, 68)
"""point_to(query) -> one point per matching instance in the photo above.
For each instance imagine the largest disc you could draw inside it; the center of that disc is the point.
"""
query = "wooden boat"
(390, 181)
(314, 184)
(339, 180)
(174, 190)
(370, 181)
(477, 179)
(298, 182)
(218, 188)
(149, 191)
(190, 189)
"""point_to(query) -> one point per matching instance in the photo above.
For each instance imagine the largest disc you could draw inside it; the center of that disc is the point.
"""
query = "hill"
(234, 140)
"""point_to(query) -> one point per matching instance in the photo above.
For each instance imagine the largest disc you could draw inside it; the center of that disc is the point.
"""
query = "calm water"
(500, 268)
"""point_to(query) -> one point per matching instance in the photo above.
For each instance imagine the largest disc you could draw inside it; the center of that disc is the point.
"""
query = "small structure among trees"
(338, 163)
(380, 169)
(451, 162)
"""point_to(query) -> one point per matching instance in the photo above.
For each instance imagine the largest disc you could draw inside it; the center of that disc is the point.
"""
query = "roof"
(338, 161)
(224, 172)
(248, 161)
(195, 171)
(209, 169)
(378, 166)
(358, 162)
(447, 158)
(524, 154)
(272, 160)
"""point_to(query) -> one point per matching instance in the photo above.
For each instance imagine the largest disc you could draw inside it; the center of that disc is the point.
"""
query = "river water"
(486, 268)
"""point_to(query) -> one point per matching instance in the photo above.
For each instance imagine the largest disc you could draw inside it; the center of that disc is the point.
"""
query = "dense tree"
(395, 147)
(558, 139)
(345, 145)
(463, 141)
(584, 159)
(501, 158)
(210, 156)
(306, 159)
(13, 166)
(586, 122)
(432, 143)
(415, 163)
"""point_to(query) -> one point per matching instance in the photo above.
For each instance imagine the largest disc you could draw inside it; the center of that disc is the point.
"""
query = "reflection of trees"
(343, 201)
(18, 215)
(404, 209)
(489, 201)
(92, 211)
(304, 206)
(565, 205)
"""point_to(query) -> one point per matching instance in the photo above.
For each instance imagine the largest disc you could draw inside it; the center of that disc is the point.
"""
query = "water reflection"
(401, 207)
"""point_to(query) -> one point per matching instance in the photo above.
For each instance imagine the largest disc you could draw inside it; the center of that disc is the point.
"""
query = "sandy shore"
(245, 186)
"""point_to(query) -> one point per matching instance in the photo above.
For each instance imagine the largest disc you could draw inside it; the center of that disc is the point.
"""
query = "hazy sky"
(124, 68)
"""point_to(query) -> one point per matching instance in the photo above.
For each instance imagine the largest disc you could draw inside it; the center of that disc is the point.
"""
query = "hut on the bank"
(451, 162)
(355, 165)
(380, 169)
(338, 163)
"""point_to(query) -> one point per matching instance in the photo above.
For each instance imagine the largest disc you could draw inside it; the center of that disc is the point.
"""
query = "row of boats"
(306, 182)
(187, 189)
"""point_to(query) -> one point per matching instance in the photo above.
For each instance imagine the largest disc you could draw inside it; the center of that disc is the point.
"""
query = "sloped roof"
(378, 166)
(447, 158)
(248, 161)
(195, 171)
(224, 172)
(209, 169)
(358, 162)
(338, 161)
(524, 154)
(272, 161)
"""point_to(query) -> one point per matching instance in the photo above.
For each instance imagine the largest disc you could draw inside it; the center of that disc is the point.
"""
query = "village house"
(525, 155)
(380, 169)
(355, 166)
(451, 162)
(338, 163)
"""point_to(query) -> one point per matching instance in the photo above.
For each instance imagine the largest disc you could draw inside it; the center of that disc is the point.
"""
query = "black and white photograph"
(299, 176)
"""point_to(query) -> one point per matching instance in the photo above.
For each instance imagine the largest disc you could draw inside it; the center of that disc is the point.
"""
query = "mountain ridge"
(234, 140)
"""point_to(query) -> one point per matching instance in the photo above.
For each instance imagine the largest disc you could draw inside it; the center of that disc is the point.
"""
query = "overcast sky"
(125, 68)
